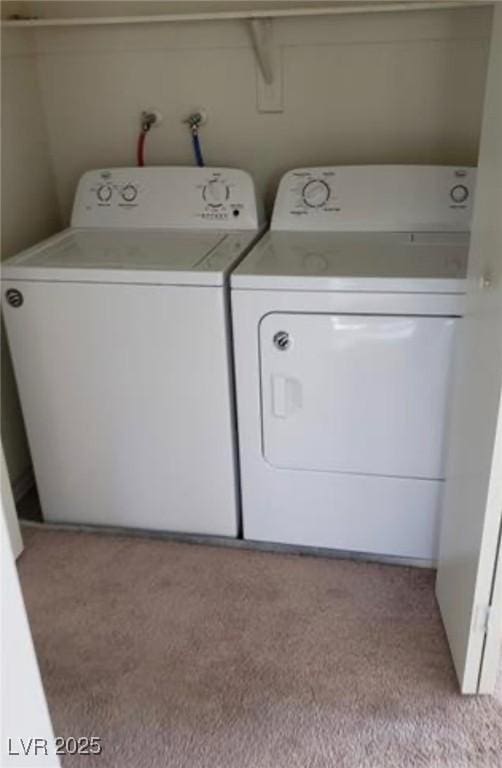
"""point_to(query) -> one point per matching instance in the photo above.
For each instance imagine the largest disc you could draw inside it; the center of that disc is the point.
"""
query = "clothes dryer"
(344, 319)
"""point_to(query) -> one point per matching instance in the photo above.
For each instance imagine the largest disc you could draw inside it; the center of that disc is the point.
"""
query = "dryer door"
(355, 393)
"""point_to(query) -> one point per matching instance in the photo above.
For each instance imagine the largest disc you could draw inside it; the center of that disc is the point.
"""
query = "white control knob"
(215, 192)
(104, 193)
(459, 193)
(316, 193)
(129, 193)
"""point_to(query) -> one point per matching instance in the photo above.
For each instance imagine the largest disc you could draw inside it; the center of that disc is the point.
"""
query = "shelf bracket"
(262, 35)
(269, 66)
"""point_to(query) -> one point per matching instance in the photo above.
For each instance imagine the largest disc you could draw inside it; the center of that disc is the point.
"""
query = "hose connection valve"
(149, 118)
(195, 120)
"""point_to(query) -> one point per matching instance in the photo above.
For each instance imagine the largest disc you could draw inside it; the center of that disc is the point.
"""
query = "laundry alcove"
(284, 85)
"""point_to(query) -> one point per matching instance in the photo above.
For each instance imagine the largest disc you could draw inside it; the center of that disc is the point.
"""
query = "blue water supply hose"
(197, 149)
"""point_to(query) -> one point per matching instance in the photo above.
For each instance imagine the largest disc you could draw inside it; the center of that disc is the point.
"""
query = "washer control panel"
(375, 197)
(220, 197)
(167, 197)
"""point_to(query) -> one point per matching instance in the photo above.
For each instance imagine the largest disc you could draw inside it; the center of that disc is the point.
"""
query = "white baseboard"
(225, 541)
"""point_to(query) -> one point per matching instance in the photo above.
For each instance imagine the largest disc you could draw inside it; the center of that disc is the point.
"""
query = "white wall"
(401, 87)
(28, 202)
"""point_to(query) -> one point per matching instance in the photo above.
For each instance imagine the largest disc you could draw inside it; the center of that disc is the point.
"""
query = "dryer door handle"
(286, 395)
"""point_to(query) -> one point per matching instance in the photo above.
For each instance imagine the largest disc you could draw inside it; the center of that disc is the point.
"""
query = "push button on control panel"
(459, 193)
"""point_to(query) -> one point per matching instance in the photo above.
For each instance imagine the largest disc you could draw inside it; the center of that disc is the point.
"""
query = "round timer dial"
(316, 193)
(129, 193)
(459, 193)
(215, 192)
(104, 193)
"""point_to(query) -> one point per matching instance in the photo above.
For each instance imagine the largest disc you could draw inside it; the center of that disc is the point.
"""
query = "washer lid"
(131, 256)
(424, 262)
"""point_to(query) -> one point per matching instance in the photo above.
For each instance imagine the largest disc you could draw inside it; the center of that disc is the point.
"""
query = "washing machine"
(120, 339)
(344, 318)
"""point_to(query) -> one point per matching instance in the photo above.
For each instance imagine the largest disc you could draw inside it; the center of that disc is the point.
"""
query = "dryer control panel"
(167, 197)
(375, 198)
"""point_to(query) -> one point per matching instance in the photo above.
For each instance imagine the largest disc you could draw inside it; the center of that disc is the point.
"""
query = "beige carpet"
(199, 657)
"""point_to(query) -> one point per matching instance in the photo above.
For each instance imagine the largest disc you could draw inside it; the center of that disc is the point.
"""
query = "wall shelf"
(259, 15)
(50, 14)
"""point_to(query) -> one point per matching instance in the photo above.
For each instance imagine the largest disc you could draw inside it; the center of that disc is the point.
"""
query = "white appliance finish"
(343, 342)
(119, 332)
(160, 197)
(356, 198)
(358, 398)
